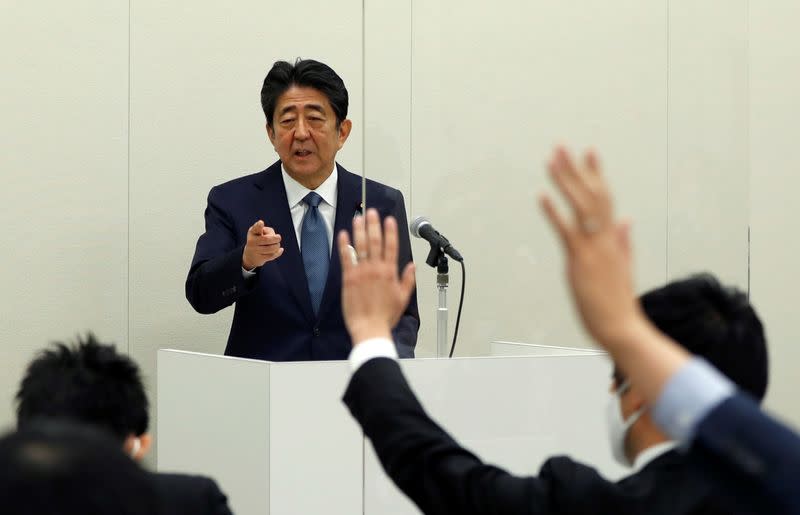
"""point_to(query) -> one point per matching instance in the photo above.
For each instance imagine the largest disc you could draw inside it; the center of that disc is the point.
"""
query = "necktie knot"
(312, 199)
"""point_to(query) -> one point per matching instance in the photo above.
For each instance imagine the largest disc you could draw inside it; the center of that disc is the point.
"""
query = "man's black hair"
(305, 73)
(714, 322)
(87, 382)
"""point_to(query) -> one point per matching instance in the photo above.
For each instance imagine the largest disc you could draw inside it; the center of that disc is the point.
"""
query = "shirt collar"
(651, 453)
(296, 192)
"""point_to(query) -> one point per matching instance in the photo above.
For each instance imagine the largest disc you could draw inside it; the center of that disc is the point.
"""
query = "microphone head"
(416, 224)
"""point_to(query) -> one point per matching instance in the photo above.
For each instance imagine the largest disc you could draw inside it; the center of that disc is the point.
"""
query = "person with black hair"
(442, 477)
(59, 468)
(707, 320)
(751, 458)
(268, 245)
(91, 383)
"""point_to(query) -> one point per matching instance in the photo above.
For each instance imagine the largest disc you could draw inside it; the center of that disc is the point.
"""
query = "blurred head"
(305, 104)
(58, 468)
(90, 383)
(711, 321)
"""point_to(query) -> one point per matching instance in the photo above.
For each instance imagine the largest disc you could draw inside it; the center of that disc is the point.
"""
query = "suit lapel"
(348, 200)
(278, 216)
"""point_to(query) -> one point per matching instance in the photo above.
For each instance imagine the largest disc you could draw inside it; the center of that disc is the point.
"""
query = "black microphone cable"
(460, 305)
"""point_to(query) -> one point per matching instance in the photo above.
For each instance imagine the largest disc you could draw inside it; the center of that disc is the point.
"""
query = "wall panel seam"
(128, 151)
(411, 111)
(666, 222)
(747, 134)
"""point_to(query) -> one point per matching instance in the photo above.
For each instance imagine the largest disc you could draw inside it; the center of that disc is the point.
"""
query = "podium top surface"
(499, 350)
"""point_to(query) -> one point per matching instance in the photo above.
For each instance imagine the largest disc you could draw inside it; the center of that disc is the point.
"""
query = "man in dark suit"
(90, 383)
(440, 476)
(58, 468)
(752, 459)
(268, 244)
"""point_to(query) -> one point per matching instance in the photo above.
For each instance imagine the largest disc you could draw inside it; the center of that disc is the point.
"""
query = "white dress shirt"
(296, 192)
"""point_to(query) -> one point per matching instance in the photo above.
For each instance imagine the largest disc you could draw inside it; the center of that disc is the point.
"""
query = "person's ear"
(271, 134)
(344, 131)
(137, 446)
(147, 442)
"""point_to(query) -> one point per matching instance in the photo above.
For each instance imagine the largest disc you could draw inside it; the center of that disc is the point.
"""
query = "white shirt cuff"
(248, 273)
(369, 349)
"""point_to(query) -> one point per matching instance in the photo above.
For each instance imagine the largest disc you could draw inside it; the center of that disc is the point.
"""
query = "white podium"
(279, 441)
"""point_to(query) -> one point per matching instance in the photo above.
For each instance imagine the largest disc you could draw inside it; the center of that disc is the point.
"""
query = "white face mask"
(618, 427)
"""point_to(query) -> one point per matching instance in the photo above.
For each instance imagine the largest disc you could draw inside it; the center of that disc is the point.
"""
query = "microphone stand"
(437, 258)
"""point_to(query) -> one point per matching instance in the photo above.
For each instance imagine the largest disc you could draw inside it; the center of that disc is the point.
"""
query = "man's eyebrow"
(312, 107)
(286, 110)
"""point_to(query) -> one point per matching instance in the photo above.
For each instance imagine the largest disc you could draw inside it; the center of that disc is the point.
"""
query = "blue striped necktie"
(314, 249)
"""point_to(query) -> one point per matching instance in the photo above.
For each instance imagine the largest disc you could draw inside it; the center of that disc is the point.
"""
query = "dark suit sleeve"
(431, 468)
(405, 333)
(215, 279)
(217, 501)
(753, 460)
(195, 495)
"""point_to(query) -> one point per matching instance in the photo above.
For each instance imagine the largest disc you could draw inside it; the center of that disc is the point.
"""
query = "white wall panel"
(775, 245)
(708, 208)
(64, 105)
(387, 94)
(494, 87)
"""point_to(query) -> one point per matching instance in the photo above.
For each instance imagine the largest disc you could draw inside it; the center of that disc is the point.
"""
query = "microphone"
(421, 228)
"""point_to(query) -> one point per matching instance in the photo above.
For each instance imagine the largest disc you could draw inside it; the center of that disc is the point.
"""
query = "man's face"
(305, 136)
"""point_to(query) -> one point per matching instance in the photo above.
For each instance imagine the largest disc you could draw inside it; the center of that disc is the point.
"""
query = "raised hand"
(373, 296)
(597, 249)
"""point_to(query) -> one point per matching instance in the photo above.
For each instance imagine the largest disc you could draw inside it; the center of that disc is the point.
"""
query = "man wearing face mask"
(709, 321)
(91, 384)
(442, 477)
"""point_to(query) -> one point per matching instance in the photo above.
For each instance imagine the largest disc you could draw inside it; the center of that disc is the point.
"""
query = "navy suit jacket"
(273, 319)
(442, 477)
(751, 458)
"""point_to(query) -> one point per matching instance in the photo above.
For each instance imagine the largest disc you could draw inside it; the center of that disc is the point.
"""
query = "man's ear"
(344, 132)
(137, 446)
(271, 134)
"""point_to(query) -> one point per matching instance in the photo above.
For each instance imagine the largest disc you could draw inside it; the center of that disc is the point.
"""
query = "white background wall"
(117, 117)
(774, 110)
